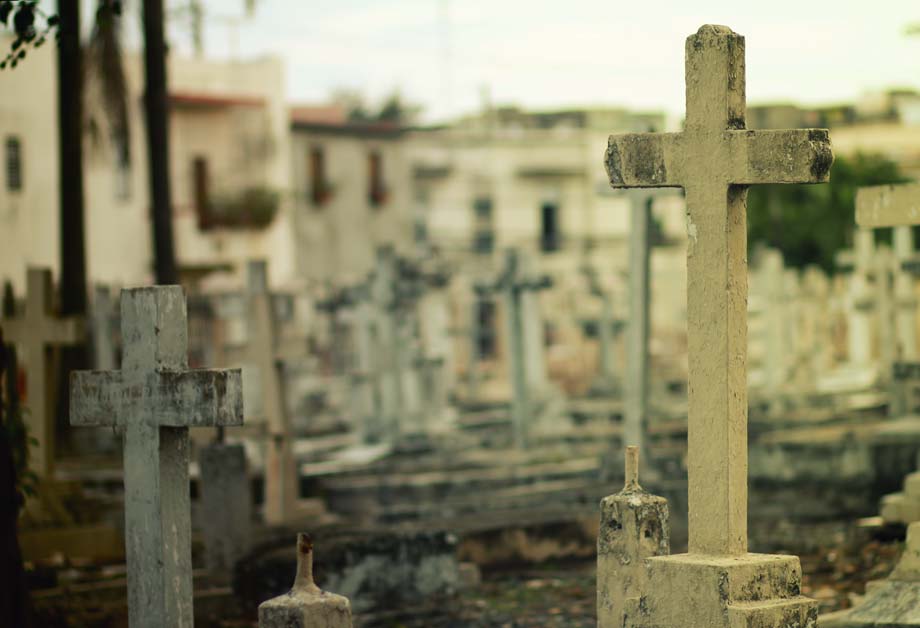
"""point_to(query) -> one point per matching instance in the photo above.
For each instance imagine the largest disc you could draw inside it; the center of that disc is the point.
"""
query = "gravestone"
(36, 330)
(305, 605)
(859, 301)
(714, 159)
(225, 509)
(154, 399)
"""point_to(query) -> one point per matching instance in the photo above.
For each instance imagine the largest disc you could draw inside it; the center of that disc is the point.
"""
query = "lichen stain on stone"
(613, 164)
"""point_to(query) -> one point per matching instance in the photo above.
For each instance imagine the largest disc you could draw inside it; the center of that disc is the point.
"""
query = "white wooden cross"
(35, 331)
(155, 398)
(714, 159)
(895, 206)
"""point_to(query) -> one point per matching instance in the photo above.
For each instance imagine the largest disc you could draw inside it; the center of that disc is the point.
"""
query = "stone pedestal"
(745, 591)
(634, 525)
(640, 586)
(226, 506)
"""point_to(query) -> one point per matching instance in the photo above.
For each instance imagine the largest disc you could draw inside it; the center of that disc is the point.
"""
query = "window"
(377, 192)
(201, 191)
(13, 164)
(550, 238)
(485, 329)
(122, 167)
(319, 190)
(483, 231)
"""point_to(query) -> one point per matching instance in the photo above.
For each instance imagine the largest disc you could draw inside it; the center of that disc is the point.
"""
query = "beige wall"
(338, 239)
(118, 237)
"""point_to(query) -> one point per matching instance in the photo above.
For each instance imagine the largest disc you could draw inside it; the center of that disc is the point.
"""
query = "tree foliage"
(810, 223)
(30, 25)
(393, 109)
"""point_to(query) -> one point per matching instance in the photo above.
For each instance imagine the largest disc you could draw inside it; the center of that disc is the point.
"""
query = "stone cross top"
(714, 159)
(34, 331)
(155, 398)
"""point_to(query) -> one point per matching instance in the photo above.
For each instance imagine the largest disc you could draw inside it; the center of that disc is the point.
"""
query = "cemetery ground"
(556, 594)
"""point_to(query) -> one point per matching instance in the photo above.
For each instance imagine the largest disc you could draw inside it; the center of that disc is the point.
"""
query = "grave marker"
(525, 340)
(895, 206)
(155, 398)
(714, 159)
(263, 350)
(35, 331)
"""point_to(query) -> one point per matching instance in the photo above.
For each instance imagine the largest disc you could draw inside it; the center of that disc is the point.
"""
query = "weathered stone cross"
(714, 159)
(35, 331)
(155, 399)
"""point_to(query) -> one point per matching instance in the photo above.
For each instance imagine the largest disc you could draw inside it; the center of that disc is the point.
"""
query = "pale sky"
(555, 53)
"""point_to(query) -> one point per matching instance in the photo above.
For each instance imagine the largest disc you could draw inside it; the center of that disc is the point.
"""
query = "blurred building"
(885, 122)
(352, 192)
(229, 167)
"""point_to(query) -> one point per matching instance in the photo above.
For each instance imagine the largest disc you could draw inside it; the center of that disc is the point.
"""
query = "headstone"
(35, 330)
(305, 605)
(154, 399)
(714, 159)
(225, 506)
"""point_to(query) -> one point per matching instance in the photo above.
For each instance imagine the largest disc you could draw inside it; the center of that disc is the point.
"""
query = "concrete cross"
(35, 331)
(525, 339)
(896, 206)
(384, 294)
(155, 398)
(262, 351)
(714, 159)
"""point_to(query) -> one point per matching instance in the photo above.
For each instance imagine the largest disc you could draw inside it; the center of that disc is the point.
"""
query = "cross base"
(746, 591)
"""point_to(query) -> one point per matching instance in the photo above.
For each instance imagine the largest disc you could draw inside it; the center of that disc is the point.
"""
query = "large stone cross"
(35, 331)
(714, 159)
(155, 398)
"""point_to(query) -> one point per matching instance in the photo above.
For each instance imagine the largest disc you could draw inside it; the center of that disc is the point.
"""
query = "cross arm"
(780, 156)
(643, 160)
(196, 398)
(888, 205)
